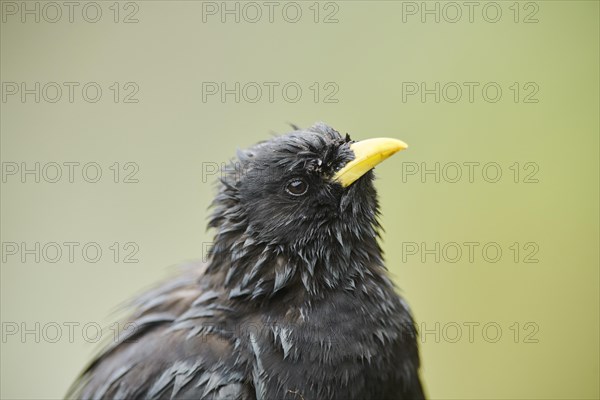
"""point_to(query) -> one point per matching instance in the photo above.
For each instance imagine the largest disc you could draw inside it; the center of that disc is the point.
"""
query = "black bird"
(294, 301)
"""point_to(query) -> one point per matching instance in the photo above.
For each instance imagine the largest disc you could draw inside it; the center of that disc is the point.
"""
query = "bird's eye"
(297, 187)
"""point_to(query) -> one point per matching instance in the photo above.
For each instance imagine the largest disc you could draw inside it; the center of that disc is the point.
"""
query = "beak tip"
(401, 145)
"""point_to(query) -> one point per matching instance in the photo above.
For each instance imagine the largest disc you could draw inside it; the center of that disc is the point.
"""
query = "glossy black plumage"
(294, 302)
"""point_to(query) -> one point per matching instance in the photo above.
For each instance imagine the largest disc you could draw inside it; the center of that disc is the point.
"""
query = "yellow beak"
(368, 153)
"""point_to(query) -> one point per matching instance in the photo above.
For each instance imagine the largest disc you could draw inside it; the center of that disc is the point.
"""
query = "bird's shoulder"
(175, 345)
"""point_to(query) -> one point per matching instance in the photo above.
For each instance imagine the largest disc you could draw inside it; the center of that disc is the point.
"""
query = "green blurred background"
(371, 54)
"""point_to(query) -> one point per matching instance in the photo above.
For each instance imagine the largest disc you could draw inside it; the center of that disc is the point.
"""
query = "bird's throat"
(337, 260)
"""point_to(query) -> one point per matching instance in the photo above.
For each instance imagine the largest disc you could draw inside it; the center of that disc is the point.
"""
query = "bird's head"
(305, 199)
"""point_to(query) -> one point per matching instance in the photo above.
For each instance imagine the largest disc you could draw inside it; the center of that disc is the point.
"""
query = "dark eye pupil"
(297, 187)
